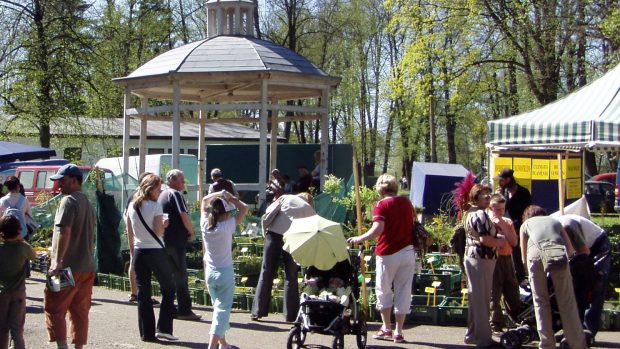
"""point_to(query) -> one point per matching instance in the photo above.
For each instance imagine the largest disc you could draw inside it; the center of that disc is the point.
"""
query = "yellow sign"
(502, 163)
(540, 169)
(430, 289)
(525, 182)
(522, 168)
(553, 169)
(574, 169)
(573, 188)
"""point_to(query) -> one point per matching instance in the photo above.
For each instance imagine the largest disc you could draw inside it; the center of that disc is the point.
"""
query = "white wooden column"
(220, 21)
(262, 147)
(144, 103)
(201, 155)
(231, 21)
(211, 23)
(273, 141)
(176, 124)
(237, 19)
(324, 135)
(126, 136)
(249, 23)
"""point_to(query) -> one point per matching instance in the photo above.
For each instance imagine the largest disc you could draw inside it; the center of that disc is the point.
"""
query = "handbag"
(173, 260)
(422, 239)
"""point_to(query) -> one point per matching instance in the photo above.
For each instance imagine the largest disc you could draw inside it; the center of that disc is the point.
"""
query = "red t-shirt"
(397, 215)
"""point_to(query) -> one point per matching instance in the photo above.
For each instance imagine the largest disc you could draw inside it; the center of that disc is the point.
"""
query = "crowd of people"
(497, 226)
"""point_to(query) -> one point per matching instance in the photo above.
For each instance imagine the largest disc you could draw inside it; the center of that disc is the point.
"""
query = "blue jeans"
(147, 262)
(184, 300)
(271, 260)
(221, 285)
(601, 252)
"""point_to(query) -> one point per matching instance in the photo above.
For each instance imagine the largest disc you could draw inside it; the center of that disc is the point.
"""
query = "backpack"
(457, 241)
(15, 211)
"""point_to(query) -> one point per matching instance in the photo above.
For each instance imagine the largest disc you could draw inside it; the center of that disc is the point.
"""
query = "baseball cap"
(67, 170)
(505, 173)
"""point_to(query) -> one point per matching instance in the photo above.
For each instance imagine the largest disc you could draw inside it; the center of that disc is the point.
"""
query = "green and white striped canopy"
(587, 118)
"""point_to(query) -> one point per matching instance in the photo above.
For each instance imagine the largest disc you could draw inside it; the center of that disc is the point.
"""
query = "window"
(193, 152)
(49, 184)
(41, 175)
(27, 179)
(156, 151)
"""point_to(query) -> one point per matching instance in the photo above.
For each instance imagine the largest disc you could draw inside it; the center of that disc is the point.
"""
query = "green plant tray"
(452, 315)
(423, 313)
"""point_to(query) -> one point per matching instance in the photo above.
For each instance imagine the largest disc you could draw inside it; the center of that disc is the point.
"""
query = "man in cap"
(73, 243)
(178, 233)
(517, 199)
(220, 183)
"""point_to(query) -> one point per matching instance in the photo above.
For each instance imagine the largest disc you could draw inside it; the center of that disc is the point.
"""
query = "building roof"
(156, 129)
(226, 53)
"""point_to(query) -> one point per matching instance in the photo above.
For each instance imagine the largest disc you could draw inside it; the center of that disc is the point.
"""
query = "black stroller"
(526, 330)
(328, 317)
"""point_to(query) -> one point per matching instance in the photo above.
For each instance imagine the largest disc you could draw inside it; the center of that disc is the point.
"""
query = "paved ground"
(113, 324)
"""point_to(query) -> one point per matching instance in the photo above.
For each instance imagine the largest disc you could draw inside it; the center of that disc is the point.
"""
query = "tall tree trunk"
(45, 101)
(513, 94)
(388, 135)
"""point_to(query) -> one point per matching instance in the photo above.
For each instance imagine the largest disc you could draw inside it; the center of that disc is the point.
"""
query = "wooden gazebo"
(229, 72)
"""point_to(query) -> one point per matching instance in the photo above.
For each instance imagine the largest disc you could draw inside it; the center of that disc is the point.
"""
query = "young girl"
(14, 254)
(218, 226)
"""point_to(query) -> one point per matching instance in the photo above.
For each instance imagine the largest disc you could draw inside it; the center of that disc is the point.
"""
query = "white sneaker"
(168, 336)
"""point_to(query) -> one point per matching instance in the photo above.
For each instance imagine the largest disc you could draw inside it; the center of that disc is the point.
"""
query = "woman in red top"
(392, 224)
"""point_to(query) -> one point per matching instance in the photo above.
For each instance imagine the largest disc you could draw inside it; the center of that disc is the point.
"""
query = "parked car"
(606, 177)
(36, 180)
(600, 196)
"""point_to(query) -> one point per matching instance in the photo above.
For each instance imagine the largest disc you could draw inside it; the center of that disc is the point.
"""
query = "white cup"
(165, 216)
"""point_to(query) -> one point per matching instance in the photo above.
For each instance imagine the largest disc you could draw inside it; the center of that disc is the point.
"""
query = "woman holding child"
(218, 226)
(392, 223)
(480, 244)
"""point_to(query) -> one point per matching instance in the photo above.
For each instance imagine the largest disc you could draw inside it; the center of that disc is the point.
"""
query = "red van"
(36, 180)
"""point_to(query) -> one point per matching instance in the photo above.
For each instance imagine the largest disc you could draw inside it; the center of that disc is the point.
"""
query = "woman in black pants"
(145, 230)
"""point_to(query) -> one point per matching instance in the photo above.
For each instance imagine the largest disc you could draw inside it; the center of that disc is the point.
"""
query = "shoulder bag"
(171, 258)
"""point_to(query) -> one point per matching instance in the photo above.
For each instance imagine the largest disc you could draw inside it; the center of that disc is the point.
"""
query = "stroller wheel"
(525, 334)
(564, 344)
(295, 338)
(510, 340)
(338, 342)
(361, 331)
(589, 338)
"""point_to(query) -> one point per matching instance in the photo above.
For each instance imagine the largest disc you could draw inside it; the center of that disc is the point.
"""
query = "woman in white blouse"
(145, 231)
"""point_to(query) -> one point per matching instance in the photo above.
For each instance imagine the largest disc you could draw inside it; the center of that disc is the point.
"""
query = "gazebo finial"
(230, 17)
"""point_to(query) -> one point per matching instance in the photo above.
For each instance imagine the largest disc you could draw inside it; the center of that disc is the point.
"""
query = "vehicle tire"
(510, 340)
(361, 332)
(338, 342)
(294, 338)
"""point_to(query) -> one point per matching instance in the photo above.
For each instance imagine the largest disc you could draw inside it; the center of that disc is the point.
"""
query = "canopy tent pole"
(273, 151)
(176, 124)
(262, 148)
(126, 135)
(201, 155)
(358, 215)
(143, 137)
(560, 185)
(324, 137)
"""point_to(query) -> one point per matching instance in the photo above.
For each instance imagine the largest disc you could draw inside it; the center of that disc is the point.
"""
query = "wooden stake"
(560, 184)
(358, 216)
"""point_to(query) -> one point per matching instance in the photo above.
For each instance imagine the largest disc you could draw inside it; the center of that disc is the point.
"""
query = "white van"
(159, 164)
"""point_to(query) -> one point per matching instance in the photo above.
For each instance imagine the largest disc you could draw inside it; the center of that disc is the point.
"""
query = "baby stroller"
(526, 330)
(335, 318)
